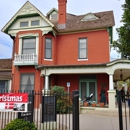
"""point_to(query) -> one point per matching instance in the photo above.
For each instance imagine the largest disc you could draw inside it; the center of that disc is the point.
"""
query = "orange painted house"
(60, 49)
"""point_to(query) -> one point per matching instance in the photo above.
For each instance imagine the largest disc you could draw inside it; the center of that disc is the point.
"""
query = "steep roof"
(75, 23)
(5, 64)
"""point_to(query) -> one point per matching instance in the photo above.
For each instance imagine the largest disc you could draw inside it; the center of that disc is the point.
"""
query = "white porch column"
(46, 82)
(111, 93)
(111, 82)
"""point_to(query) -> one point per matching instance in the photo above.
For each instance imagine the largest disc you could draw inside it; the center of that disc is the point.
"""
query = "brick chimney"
(62, 14)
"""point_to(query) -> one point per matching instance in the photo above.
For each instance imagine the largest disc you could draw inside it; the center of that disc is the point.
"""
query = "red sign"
(14, 102)
(14, 97)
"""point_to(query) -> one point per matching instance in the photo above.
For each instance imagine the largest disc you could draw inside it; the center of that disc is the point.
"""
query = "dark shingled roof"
(74, 23)
(5, 64)
(5, 68)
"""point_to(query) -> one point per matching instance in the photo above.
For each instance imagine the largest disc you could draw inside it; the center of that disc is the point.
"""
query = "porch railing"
(25, 59)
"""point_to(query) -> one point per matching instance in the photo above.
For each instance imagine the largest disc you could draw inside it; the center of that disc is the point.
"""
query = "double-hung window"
(4, 85)
(82, 48)
(27, 82)
(48, 48)
(29, 46)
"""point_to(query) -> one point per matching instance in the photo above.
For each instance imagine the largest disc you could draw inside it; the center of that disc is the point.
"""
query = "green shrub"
(20, 124)
(64, 101)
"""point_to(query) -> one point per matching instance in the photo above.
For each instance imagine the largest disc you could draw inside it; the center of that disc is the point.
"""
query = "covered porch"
(112, 69)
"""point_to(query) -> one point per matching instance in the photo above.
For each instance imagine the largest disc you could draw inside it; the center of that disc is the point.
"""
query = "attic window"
(23, 24)
(35, 23)
(53, 16)
(89, 17)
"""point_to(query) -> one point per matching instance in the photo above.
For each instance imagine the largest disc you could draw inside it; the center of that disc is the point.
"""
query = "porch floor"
(103, 111)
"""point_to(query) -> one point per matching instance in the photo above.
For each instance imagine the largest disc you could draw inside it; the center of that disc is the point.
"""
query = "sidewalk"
(94, 122)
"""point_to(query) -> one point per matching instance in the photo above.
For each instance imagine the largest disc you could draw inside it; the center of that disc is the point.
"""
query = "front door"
(86, 88)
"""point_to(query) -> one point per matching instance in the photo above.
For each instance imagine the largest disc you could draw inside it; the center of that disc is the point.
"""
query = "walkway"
(93, 122)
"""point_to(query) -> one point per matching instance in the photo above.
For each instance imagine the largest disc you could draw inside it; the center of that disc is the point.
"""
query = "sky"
(8, 9)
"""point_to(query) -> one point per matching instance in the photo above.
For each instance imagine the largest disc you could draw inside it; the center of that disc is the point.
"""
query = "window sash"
(83, 48)
(29, 45)
(4, 85)
(27, 82)
(48, 48)
(35, 23)
(24, 24)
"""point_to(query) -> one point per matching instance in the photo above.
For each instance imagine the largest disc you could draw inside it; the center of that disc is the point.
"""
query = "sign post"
(68, 85)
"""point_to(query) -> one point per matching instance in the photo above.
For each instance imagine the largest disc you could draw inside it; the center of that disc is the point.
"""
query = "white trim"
(82, 59)
(49, 59)
(28, 35)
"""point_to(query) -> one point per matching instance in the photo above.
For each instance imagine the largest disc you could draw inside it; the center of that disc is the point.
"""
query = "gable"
(89, 17)
(27, 11)
(39, 22)
(53, 14)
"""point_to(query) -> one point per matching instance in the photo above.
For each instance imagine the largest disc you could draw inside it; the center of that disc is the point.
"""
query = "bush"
(64, 101)
(20, 124)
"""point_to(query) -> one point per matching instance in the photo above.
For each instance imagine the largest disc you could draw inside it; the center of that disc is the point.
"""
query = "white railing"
(25, 58)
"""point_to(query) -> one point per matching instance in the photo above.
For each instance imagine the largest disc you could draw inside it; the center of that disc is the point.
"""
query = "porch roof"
(111, 68)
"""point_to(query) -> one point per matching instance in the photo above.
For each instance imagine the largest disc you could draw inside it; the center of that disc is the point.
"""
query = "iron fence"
(124, 111)
(48, 111)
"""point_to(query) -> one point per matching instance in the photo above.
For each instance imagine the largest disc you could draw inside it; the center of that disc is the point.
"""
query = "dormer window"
(35, 23)
(54, 16)
(89, 17)
(24, 24)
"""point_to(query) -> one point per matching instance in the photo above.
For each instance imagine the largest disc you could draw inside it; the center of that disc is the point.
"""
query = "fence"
(124, 111)
(48, 112)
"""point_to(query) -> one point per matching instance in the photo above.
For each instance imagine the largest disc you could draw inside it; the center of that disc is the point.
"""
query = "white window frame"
(79, 49)
(45, 50)
(29, 21)
(28, 35)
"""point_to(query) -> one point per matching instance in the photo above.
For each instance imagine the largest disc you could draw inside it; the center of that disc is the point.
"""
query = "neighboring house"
(63, 48)
(5, 74)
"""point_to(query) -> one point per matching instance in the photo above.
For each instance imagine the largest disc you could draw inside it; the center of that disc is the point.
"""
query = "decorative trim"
(82, 59)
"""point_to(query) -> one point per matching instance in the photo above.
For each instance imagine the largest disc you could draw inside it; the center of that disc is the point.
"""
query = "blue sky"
(8, 8)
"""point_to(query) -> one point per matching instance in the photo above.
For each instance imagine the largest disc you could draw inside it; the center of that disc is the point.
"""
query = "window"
(23, 24)
(83, 48)
(29, 45)
(35, 23)
(53, 16)
(4, 85)
(27, 82)
(48, 48)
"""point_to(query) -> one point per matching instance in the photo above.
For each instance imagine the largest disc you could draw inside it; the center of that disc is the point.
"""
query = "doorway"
(86, 87)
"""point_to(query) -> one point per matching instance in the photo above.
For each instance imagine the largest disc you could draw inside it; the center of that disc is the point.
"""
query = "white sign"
(14, 102)
(68, 84)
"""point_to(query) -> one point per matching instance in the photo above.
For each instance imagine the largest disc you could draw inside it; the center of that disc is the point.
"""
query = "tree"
(122, 44)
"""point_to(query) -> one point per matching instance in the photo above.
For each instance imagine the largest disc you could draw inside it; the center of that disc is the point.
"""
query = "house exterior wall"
(98, 48)
(38, 80)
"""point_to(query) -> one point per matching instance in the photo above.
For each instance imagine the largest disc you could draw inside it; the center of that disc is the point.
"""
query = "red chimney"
(62, 14)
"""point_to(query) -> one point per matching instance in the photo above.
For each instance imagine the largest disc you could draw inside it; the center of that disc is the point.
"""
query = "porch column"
(46, 82)
(46, 90)
(110, 82)
(111, 93)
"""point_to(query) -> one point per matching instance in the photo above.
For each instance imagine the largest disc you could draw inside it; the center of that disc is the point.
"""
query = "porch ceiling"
(125, 74)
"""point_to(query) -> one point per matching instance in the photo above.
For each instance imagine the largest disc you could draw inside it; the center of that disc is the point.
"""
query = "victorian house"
(63, 49)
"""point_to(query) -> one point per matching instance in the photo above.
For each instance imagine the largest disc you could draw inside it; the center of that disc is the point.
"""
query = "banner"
(17, 102)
